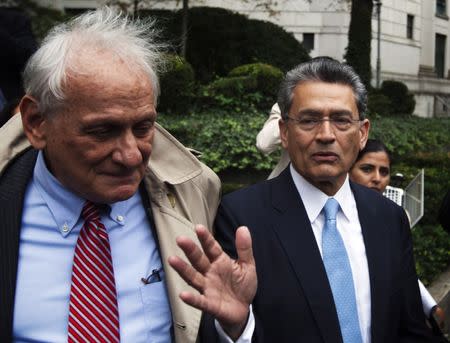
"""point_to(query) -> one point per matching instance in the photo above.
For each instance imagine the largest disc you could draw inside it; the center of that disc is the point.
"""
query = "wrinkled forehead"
(323, 96)
(103, 74)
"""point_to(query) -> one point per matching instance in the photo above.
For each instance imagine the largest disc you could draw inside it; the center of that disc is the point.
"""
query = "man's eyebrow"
(342, 113)
(313, 112)
(309, 111)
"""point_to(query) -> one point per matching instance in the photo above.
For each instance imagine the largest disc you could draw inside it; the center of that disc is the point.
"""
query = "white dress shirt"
(349, 227)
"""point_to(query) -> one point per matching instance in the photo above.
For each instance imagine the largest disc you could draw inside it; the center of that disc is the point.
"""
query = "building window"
(308, 41)
(439, 55)
(410, 26)
(441, 8)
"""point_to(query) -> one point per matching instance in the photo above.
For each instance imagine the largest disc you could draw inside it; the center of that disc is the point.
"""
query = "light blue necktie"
(339, 274)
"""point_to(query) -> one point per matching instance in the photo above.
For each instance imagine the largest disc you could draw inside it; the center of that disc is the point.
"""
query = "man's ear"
(283, 126)
(33, 122)
(364, 133)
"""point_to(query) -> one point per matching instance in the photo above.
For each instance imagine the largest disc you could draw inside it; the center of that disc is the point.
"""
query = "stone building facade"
(414, 44)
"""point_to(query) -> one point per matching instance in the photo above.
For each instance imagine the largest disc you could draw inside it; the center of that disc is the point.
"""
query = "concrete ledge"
(440, 290)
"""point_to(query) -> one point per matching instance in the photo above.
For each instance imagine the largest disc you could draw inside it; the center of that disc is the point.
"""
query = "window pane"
(308, 41)
(410, 26)
(441, 7)
(439, 55)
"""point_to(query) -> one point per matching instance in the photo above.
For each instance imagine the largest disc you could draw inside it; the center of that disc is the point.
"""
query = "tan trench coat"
(182, 192)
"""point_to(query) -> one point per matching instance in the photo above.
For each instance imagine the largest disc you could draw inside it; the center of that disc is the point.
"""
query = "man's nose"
(127, 151)
(325, 131)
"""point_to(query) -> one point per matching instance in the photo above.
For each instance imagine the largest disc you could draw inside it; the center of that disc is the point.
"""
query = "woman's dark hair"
(374, 145)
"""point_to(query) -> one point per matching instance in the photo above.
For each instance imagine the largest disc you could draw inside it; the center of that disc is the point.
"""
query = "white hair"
(132, 41)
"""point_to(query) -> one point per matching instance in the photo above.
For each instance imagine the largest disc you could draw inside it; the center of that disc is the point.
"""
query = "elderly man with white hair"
(97, 201)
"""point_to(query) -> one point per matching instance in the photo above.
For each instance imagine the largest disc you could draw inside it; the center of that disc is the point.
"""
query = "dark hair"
(8, 111)
(374, 145)
(324, 69)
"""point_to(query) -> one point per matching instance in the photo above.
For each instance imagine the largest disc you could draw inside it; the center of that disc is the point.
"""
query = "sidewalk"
(440, 290)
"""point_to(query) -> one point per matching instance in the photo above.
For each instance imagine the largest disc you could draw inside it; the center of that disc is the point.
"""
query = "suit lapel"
(295, 234)
(12, 191)
(377, 257)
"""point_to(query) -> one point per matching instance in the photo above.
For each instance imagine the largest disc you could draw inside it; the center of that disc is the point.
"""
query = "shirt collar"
(65, 205)
(314, 199)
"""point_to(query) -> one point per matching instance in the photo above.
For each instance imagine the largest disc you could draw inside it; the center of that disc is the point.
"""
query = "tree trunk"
(360, 38)
(184, 28)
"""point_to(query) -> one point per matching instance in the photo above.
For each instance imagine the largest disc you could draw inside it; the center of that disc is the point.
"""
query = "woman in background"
(373, 169)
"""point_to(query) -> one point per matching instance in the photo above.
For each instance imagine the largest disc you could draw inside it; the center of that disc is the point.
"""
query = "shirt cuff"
(246, 336)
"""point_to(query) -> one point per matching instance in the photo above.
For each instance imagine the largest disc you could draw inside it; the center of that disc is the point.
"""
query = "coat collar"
(170, 161)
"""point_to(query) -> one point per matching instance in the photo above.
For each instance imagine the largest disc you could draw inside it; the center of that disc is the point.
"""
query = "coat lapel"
(169, 225)
(12, 191)
(295, 234)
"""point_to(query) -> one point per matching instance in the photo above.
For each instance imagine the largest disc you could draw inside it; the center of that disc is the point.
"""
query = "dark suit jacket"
(444, 212)
(294, 301)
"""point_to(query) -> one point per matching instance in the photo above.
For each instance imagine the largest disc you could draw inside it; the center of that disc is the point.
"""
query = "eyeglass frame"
(319, 122)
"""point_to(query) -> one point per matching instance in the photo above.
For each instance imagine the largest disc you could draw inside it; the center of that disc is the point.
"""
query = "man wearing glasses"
(334, 260)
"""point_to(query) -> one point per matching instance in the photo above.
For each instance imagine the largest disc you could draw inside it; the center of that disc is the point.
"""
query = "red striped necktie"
(93, 313)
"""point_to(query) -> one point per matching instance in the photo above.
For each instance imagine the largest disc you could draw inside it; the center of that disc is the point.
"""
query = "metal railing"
(444, 109)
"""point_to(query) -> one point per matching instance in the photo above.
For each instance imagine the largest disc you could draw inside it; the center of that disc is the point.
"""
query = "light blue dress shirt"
(50, 226)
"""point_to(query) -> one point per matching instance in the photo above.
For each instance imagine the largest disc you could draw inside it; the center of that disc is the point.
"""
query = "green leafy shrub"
(248, 86)
(220, 40)
(409, 138)
(431, 250)
(228, 96)
(227, 141)
(177, 85)
(402, 101)
(233, 86)
(268, 78)
(378, 104)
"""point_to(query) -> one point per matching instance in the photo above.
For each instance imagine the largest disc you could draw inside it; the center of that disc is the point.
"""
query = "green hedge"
(247, 87)
(411, 138)
(226, 141)
(431, 250)
(220, 40)
(268, 78)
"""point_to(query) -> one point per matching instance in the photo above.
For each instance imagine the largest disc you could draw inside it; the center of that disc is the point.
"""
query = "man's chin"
(117, 194)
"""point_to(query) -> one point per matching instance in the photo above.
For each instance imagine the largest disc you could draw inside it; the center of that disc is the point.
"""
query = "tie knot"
(330, 209)
(90, 211)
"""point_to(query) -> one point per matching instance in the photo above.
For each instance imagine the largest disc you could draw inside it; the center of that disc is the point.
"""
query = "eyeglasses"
(306, 123)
